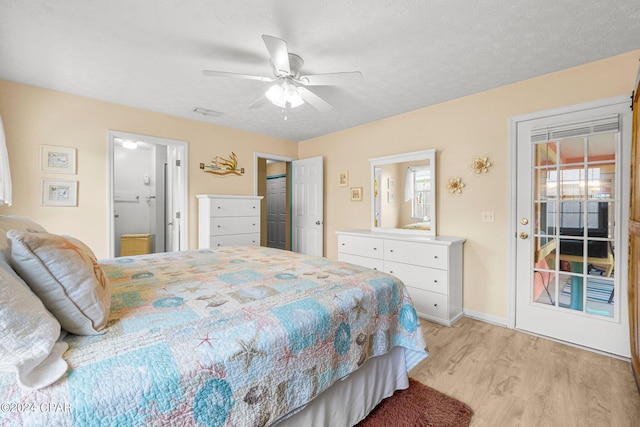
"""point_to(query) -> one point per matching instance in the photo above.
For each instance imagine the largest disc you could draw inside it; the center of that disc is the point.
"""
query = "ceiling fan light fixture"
(282, 94)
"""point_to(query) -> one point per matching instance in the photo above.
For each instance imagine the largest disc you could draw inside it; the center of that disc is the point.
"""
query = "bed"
(236, 336)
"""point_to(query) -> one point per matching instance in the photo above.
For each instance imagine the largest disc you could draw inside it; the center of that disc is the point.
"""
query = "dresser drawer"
(220, 226)
(428, 279)
(364, 246)
(429, 304)
(374, 263)
(235, 239)
(234, 207)
(423, 254)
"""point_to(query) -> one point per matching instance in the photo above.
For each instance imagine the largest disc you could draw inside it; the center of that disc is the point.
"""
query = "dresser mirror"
(403, 198)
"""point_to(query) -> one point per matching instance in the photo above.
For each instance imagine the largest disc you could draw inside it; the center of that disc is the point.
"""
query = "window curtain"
(5, 173)
(408, 185)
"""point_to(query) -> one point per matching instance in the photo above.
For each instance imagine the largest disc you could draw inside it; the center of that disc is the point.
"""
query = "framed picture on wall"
(59, 192)
(356, 194)
(57, 159)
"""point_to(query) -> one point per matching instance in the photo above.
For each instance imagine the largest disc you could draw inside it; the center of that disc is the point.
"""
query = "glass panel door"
(571, 190)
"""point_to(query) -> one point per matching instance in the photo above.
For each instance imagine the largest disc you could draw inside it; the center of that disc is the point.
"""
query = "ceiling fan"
(290, 88)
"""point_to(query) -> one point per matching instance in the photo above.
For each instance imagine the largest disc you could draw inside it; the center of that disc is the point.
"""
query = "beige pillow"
(65, 274)
(14, 222)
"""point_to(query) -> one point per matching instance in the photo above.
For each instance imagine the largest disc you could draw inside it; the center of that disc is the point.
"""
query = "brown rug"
(419, 406)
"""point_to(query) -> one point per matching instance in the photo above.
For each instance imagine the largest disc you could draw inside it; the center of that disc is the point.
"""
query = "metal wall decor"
(455, 186)
(480, 165)
(222, 167)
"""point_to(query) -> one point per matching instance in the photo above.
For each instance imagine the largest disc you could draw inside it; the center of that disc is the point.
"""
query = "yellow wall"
(33, 116)
(459, 130)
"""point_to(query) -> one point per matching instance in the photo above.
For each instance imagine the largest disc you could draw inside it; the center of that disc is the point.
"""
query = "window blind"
(608, 124)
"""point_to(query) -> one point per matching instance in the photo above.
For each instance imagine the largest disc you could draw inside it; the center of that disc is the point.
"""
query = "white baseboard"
(500, 321)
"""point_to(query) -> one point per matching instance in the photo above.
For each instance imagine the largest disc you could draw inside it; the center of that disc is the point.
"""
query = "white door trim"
(513, 172)
(256, 156)
(183, 207)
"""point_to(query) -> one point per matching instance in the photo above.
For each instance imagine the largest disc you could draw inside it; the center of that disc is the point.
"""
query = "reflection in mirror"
(403, 198)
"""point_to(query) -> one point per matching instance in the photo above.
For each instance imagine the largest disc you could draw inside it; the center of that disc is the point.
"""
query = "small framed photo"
(391, 182)
(356, 194)
(57, 159)
(59, 192)
(343, 179)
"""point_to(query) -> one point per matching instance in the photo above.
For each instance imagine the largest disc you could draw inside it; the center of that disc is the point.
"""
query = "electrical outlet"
(488, 217)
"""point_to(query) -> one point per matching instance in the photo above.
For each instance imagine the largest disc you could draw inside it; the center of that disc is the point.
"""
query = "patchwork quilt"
(236, 336)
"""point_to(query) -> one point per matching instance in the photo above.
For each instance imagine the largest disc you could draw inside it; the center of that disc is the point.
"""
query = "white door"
(571, 251)
(307, 206)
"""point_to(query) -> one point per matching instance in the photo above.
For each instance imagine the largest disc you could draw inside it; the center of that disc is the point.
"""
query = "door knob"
(523, 235)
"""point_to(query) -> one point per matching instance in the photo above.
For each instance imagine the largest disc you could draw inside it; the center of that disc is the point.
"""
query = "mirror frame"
(401, 158)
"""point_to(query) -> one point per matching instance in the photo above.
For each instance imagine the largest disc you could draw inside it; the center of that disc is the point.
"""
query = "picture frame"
(59, 192)
(356, 194)
(391, 182)
(343, 179)
(54, 159)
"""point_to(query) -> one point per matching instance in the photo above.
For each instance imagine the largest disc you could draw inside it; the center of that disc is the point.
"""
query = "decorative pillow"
(66, 276)
(14, 222)
(29, 332)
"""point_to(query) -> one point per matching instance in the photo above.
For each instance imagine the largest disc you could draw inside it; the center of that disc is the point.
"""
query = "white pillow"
(65, 274)
(29, 332)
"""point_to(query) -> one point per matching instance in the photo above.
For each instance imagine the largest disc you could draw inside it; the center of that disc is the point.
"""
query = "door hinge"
(177, 215)
(633, 95)
(177, 162)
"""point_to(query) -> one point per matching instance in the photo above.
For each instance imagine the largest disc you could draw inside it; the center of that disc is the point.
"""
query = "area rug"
(419, 406)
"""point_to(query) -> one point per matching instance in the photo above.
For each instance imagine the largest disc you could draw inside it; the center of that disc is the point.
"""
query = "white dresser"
(228, 220)
(430, 267)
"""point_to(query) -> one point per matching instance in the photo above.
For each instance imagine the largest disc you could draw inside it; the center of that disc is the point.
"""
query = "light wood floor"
(510, 378)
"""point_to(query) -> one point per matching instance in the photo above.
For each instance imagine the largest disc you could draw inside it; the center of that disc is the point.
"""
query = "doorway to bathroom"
(148, 190)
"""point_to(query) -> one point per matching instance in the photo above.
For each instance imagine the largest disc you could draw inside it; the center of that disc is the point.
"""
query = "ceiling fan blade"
(314, 100)
(332, 79)
(279, 55)
(258, 102)
(236, 75)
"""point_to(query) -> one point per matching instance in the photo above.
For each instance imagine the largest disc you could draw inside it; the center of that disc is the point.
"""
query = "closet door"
(634, 239)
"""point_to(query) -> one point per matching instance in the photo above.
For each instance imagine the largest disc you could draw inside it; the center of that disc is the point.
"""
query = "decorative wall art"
(455, 186)
(480, 165)
(222, 167)
(391, 197)
(343, 179)
(356, 194)
(57, 159)
(59, 192)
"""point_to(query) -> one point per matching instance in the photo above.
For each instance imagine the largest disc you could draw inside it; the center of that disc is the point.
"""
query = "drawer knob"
(435, 256)
(218, 207)
(390, 250)
(391, 271)
(343, 244)
(435, 281)
(218, 226)
(435, 305)
(375, 249)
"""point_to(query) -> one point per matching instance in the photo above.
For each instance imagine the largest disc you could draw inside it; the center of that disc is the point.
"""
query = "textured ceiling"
(150, 53)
